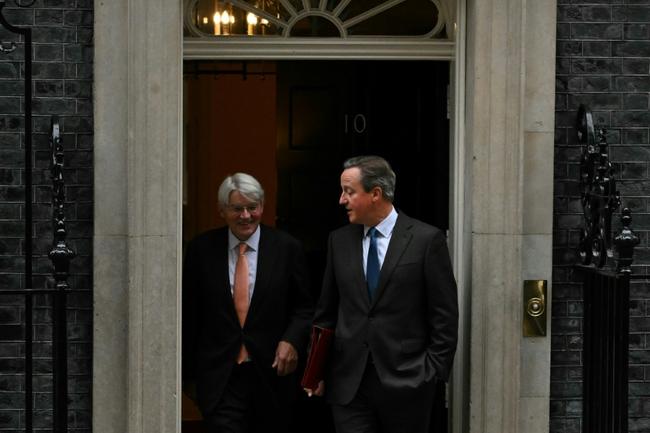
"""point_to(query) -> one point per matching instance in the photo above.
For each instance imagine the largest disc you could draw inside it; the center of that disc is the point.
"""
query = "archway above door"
(412, 19)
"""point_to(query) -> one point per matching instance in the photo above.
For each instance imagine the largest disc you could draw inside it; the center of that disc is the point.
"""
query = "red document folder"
(321, 340)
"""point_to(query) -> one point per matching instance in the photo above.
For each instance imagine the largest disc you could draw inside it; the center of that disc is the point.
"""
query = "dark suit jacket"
(411, 325)
(281, 309)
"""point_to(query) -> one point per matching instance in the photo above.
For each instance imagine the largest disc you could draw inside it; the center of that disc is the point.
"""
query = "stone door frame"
(502, 212)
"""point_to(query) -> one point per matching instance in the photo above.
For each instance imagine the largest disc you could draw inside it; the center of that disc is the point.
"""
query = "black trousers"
(379, 409)
(248, 405)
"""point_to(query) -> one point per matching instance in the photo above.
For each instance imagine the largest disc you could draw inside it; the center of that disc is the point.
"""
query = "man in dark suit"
(389, 292)
(246, 315)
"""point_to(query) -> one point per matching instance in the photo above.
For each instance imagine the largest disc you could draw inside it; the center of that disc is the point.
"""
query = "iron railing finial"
(625, 242)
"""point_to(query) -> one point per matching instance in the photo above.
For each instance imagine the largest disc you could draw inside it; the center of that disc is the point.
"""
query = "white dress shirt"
(384, 233)
(251, 255)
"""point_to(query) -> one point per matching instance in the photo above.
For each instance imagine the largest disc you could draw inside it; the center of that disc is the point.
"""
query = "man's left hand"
(286, 358)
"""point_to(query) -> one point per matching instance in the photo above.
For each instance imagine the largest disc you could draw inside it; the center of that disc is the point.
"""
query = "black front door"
(328, 111)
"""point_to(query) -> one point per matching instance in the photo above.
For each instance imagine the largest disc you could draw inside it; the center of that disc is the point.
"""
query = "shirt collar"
(386, 226)
(253, 242)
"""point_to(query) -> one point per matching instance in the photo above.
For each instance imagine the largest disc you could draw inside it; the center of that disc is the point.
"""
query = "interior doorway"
(291, 124)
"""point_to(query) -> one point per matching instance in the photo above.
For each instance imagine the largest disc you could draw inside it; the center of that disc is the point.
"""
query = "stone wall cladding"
(62, 85)
(603, 60)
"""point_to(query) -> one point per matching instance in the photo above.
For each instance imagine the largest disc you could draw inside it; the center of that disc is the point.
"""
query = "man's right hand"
(320, 389)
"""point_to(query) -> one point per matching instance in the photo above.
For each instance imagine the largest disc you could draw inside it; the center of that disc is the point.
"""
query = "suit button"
(365, 344)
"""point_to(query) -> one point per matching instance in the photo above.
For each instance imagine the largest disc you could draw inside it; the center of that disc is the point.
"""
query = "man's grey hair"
(247, 186)
(375, 171)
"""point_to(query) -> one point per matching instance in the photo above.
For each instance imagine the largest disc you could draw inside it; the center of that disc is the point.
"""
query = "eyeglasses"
(236, 209)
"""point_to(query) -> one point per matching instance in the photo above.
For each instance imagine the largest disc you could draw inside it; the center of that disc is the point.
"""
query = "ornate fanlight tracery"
(402, 19)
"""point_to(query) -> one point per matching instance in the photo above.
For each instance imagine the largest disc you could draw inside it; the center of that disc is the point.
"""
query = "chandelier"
(224, 20)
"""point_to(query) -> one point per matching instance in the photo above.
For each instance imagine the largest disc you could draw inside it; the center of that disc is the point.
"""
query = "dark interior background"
(292, 124)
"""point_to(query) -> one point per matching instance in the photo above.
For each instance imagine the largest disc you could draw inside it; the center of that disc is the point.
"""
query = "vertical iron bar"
(623, 328)
(610, 347)
(28, 155)
(29, 413)
(618, 348)
(600, 338)
(28, 219)
(586, 352)
(60, 256)
(593, 365)
(605, 352)
(608, 355)
(615, 353)
(60, 357)
(602, 355)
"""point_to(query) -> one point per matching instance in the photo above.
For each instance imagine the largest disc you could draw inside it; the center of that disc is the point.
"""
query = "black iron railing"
(599, 195)
(60, 254)
(606, 284)
(605, 351)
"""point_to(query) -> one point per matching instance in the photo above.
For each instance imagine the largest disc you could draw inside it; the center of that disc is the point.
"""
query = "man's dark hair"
(375, 171)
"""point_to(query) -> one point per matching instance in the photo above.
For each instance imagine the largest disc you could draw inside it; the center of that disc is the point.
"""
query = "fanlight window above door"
(420, 19)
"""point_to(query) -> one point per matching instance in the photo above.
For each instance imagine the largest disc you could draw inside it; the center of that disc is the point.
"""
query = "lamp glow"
(216, 19)
(251, 18)
(225, 18)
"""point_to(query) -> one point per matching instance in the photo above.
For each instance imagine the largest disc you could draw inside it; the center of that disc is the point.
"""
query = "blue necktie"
(372, 265)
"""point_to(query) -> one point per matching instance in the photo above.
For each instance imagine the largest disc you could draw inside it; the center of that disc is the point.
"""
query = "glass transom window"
(421, 19)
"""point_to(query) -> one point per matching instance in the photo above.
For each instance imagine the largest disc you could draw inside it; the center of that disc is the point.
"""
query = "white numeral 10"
(358, 123)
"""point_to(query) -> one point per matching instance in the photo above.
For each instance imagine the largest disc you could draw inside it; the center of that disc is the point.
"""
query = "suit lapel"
(219, 260)
(355, 246)
(265, 264)
(399, 240)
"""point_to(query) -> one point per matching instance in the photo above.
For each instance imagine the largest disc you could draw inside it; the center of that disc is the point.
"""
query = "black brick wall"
(603, 60)
(62, 85)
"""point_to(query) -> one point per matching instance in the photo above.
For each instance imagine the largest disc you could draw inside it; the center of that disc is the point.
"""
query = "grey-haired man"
(246, 315)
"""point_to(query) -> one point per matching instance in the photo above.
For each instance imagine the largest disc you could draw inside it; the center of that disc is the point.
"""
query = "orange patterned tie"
(240, 294)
